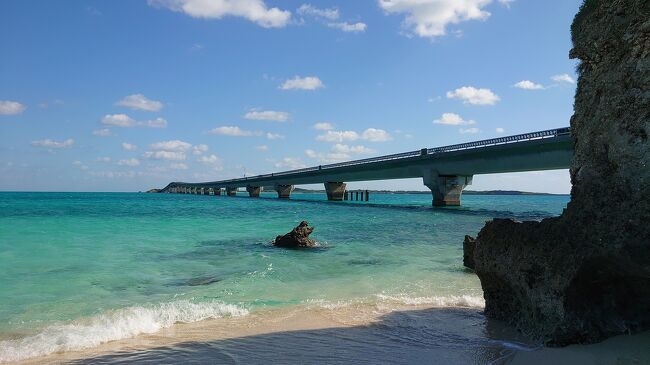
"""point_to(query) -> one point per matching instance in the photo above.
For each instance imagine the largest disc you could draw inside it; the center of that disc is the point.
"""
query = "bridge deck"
(543, 150)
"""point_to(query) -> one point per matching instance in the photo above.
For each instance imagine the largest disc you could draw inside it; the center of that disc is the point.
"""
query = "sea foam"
(464, 301)
(113, 325)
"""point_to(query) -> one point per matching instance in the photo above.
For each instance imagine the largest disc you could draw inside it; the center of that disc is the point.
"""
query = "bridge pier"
(284, 191)
(253, 191)
(231, 191)
(335, 190)
(446, 189)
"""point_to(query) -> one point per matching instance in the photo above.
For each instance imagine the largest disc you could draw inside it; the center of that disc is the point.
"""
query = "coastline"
(403, 334)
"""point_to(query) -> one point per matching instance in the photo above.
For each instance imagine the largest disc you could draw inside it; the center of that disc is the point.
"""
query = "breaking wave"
(113, 325)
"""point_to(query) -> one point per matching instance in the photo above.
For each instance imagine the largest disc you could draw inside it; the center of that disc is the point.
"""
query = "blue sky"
(128, 95)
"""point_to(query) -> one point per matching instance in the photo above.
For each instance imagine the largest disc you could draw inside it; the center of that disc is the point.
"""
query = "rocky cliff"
(585, 275)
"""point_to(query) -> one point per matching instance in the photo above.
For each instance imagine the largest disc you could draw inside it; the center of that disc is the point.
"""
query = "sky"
(128, 95)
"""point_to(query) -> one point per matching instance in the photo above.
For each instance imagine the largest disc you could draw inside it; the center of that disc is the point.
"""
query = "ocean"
(80, 270)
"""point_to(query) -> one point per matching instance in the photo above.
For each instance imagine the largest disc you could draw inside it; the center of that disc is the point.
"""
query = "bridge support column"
(446, 189)
(284, 191)
(231, 191)
(254, 191)
(335, 190)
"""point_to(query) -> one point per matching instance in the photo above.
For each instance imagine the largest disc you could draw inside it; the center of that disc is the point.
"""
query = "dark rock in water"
(585, 276)
(205, 280)
(468, 252)
(297, 238)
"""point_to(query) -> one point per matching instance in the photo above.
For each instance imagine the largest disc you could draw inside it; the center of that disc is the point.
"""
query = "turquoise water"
(79, 269)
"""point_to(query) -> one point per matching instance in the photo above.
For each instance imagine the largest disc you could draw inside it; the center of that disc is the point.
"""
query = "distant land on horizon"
(468, 192)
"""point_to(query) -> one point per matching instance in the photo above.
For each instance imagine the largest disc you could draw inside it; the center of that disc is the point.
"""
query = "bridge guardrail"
(429, 151)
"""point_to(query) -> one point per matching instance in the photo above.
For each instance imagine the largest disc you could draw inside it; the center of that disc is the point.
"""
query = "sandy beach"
(406, 335)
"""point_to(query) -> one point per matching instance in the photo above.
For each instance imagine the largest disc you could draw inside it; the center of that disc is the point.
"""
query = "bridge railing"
(427, 151)
(501, 140)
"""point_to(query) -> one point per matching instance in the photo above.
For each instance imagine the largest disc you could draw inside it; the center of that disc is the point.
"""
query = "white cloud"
(173, 150)
(430, 18)
(468, 130)
(48, 143)
(200, 149)
(115, 174)
(375, 135)
(253, 10)
(155, 123)
(338, 136)
(123, 120)
(178, 166)
(370, 134)
(196, 47)
(166, 155)
(290, 163)
(104, 132)
(140, 102)
(129, 147)
(262, 148)
(472, 95)
(327, 157)
(339, 152)
(452, 119)
(500, 130)
(270, 135)
(506, 3)
(302, 83)
(233, 131)
(328, 13)
(323, 126)
(129, 162)
(118, 120)
(528, 85)
(80, 164)
(311, 153)
(174, 145)
(267, 115)
(563, 78)
(211, 160)
(359, 150)
(8, 107)
(349, 27)
(103, 159)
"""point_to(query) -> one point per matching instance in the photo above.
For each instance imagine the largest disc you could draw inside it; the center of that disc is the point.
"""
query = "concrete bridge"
(445, 170)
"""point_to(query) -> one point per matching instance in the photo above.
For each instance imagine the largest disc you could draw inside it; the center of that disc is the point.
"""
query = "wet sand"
(407, 335)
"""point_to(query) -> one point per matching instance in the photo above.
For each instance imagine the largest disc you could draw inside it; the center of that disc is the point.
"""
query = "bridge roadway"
(445, 170)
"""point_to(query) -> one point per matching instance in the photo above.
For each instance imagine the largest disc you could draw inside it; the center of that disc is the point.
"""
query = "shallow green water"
(79, 269)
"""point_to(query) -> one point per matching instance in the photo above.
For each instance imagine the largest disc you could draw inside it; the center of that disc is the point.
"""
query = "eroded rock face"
(297, 238)
(585, 275)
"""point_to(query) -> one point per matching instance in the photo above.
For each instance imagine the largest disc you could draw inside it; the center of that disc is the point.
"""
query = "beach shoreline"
(404, 334)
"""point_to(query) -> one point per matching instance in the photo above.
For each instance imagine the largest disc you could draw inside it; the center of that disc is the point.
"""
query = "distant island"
(468, 192)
